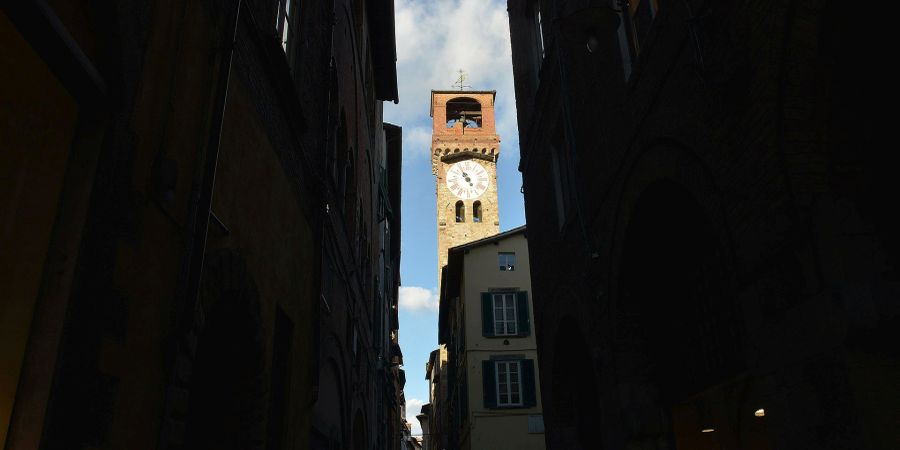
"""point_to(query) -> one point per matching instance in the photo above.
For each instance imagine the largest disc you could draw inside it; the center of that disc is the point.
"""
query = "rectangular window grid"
(507, 262)
(509, 386)
(505, 314)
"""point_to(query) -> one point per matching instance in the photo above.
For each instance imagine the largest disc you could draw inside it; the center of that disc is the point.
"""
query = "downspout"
(573, 141)
(195, 239)
(201, 197)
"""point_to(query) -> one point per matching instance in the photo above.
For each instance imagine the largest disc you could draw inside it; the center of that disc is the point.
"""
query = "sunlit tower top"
(464, 151)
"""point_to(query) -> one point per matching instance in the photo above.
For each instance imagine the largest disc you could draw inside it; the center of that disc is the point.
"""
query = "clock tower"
(464, 151)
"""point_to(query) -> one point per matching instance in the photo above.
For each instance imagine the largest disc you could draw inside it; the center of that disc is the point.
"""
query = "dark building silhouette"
(200, 216)
(712, 234)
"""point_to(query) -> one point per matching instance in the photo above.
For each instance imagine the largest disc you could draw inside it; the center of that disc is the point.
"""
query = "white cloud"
(416, 141)
(414, 298)
(436, 38)
(413, 407)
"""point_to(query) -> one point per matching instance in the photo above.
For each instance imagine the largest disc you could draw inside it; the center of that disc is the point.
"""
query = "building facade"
(493, 393)
(201, 215)
(464, 151)
(713, 264)
(433, 415)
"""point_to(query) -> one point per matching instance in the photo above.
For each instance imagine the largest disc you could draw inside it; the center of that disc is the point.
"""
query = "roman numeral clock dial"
(467, 180)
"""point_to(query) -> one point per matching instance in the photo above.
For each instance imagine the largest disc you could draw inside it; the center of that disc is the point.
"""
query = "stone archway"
(575, 406)
(677, 328)
(227, 386)
(359, 431)
(329, 414)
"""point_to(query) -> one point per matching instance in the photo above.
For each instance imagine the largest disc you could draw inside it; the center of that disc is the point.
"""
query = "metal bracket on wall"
(219, 223)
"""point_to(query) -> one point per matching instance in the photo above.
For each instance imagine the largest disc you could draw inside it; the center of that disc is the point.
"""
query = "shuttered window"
(505, 314)
(509, 383)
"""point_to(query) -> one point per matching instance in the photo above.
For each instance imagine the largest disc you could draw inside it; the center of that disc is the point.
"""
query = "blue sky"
(435, 38)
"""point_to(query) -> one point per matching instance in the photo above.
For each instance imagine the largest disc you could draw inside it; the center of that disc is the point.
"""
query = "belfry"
(464, 151)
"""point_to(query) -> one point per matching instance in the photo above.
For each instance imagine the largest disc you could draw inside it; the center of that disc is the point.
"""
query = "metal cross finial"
(460, 80)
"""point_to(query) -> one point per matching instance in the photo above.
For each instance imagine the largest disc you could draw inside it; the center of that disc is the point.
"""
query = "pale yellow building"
(485, 323)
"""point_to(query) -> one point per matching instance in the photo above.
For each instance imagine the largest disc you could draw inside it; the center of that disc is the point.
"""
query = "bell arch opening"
(464, 110)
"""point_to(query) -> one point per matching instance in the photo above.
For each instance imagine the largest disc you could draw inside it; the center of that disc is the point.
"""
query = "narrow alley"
(446, 225)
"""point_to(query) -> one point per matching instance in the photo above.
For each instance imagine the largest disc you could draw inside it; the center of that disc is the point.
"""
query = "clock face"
(467, 179)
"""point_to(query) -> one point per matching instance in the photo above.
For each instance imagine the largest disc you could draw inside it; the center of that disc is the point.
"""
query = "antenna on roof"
(459, 83)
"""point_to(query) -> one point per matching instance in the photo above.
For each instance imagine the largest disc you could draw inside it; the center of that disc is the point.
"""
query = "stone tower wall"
(450, 145)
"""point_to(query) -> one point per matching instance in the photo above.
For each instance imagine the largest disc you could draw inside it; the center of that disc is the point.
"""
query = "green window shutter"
(490, 388)
(529, 393)
(487, 315)
(522, 311)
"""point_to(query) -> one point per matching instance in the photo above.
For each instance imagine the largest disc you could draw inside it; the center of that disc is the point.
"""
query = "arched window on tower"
(476, 212)
(460, 211)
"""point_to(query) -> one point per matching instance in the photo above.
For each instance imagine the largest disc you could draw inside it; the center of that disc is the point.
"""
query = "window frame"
(633, 31)
(509, 302)
(460, 211)
(283, 22)
(287, 27)
(509, 392)
(506, 267)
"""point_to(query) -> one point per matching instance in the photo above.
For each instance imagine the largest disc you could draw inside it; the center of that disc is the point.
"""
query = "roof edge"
(489, 239)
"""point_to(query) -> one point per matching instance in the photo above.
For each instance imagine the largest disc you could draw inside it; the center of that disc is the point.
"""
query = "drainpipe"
(573, 141)
(195, 236)
(201, 196)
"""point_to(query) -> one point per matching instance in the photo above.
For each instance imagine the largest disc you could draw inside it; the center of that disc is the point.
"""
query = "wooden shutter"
(529, 392)
(524, 321)
(489, 382)
(487, 315)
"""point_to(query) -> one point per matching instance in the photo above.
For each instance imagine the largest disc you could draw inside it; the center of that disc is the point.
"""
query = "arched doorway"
(227, 389)
(359, 432)
(575, 401)
(328, 414)
(676, 323)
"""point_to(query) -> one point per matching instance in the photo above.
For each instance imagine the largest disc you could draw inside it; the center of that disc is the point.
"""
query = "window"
(476, 211)
(284, 23)
(634, 24)
(509, 383)
(460, 211)
(505, 318)
(562, 167)
(505, 313)
(507, 262)
(624, 45)
(642, 13)
(558, 189)
(540, 36)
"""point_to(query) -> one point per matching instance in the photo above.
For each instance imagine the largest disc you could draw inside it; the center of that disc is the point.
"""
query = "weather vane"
(460, 80)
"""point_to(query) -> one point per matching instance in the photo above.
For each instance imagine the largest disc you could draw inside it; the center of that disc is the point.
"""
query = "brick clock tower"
(464, 151)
